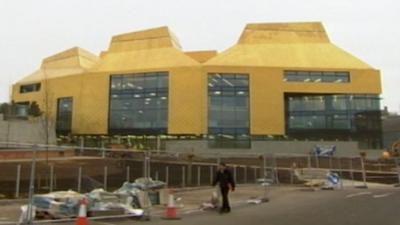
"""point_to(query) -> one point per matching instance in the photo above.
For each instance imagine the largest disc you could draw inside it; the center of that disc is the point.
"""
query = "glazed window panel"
(344, 117)
(64, 115)
(140, 104)
(29, 88)
(316, 76)
(228, 110)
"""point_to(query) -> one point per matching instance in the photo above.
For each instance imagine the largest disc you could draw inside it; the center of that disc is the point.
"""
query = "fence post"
(103, 149)
(264, 166)
(351, 171)
(81, 144)
(51, 177)
(17, 184)
(396, 160)
(79, 178)
(218, 159)
(198, 175)
(144, 165)
(255, 174)
(128, 173)
(105, 177)
(316, 160)
(156, 175)
(211, 175)
(183, 176)
(55, 181)
(167, 175)
(189, 171)
(235, 174)
(276, 170)
(245, 174)
(364, 175)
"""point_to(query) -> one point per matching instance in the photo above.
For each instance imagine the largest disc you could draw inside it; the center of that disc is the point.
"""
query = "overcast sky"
(31, 30)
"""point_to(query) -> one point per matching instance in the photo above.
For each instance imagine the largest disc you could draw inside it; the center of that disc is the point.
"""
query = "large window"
(343, 117)
(139, 103)
(29, 88)
(316, 77)
(228, 110)
(64, 115)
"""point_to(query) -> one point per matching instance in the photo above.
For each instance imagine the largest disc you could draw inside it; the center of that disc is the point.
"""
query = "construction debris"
(130, 199)
(55, 205)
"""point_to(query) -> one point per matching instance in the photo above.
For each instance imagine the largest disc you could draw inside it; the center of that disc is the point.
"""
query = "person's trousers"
(225, 200)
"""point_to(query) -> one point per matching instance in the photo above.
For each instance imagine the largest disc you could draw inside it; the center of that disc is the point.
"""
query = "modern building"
(281, 83)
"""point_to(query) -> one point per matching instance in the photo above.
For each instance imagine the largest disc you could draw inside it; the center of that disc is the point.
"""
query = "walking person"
(226, 182)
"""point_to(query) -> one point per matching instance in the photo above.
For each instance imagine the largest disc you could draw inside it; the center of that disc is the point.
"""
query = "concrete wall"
(24, 131)
(348, 148)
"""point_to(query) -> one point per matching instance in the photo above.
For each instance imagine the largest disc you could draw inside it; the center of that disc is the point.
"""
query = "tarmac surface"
(378, 204)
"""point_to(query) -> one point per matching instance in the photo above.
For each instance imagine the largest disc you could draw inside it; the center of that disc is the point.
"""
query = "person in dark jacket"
(226, 182)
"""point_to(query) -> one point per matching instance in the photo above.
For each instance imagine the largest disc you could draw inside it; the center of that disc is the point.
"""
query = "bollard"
(183, 176)
(128, 173)
(79, 178)
(105, 177)
(17, 182)
(156, 175)
(51, 177)
(167, 175)
(198, 175)
(309, 161)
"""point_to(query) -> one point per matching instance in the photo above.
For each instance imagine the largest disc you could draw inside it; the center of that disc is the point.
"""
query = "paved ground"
(294, 205)
(347, 207)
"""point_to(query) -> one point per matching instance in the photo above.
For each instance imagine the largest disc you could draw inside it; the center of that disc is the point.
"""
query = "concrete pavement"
(293, 205)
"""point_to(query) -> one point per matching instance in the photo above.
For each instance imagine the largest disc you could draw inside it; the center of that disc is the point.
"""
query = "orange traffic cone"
(171, 211)
(82, 219)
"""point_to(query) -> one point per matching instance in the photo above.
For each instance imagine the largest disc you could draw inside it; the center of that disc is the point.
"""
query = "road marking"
(192, 211)
(358, 194)
(382, 195)
(104, 223)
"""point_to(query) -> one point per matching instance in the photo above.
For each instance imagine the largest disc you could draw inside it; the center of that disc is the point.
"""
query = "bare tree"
(47, 120)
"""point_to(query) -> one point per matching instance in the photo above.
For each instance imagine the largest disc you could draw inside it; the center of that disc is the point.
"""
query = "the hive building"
(282, 86)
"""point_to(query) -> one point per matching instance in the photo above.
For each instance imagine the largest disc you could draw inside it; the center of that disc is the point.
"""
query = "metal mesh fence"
(84, 169)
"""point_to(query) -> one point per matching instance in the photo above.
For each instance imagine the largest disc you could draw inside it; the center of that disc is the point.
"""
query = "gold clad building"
(280, 83)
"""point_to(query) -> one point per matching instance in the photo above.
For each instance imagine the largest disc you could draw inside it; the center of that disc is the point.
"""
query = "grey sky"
(32, 30)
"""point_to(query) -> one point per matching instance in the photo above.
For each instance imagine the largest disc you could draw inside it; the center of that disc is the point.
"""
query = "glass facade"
(228, 110)
(335, 117)
(29, 88)
(139, 103)
(316, 77)
(64, 115)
